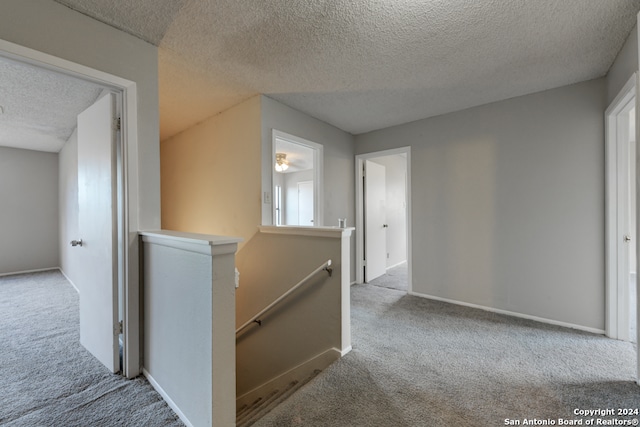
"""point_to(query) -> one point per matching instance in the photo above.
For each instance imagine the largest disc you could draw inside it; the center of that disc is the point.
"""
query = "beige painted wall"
(302, 327)
(211, 175)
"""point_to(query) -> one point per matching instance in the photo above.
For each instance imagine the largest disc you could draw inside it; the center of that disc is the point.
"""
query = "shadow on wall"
(303, 326)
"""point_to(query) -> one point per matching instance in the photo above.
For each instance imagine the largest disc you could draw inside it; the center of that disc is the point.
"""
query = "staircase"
(248, 414)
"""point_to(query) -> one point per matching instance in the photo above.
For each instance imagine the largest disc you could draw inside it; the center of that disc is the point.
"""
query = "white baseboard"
(346, 351)
(511, 313)
(69, 280)
(397, 265)
(303, 370)
(38, 270)
(166, 398)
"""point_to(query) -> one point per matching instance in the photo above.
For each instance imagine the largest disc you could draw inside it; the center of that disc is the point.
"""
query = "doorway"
(621, 245)
(297, 181)
(125, 93)
(383, 224)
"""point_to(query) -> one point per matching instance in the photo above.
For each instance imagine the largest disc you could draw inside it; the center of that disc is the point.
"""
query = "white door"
(305, 203)
(375, 220)
(97, 230)
(626, 224)
(632, 282)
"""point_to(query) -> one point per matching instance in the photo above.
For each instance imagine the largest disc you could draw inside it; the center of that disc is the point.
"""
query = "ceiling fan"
(282, 164)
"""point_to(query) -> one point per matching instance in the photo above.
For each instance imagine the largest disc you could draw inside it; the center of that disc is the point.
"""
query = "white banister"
(189, 318)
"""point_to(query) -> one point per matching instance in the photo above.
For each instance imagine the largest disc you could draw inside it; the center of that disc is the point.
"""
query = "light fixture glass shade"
(281, 162)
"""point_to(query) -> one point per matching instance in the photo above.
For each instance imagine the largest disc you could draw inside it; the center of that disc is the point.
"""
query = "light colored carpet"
(47, 378)
(417, 362)
(395, 278)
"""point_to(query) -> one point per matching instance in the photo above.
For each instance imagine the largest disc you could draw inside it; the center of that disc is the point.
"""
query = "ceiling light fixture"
(281, 162)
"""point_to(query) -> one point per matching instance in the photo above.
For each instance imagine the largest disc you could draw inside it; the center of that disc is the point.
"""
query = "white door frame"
(360, 159)
(127, 95)
(617, 313)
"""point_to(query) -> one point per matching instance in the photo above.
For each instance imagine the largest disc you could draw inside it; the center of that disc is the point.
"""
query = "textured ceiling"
(40, 106)
(299, 157)
(361, 64)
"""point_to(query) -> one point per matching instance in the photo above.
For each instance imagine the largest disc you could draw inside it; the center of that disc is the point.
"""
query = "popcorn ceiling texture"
(362, 65)
(40, 107)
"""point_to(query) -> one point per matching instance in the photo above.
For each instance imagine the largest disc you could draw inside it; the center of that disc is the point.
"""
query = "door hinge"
(364, 262)
(118, 124)
(120, 329)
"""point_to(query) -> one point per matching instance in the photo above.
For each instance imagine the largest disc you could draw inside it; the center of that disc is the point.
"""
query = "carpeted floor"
(47, 378)
(395, 278)
(417, 362)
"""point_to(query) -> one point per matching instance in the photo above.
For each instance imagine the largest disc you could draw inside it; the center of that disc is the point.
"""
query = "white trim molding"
(37, 270)
(359, 160)
(511, 313)
(166, 398)
(615, 313)
(334, 232)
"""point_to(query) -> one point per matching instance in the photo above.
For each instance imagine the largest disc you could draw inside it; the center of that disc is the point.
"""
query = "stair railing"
(256, 319)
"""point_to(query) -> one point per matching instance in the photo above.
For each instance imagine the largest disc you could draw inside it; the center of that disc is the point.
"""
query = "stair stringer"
(298, 373)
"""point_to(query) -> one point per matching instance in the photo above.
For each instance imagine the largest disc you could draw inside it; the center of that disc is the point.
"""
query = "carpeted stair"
(248, 414)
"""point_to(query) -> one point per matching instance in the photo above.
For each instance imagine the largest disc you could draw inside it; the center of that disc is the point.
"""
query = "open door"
(621, 176)
(305, 203)
(375, 218)
(96, 246)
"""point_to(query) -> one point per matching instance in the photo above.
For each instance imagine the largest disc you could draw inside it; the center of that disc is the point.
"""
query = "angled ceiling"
(39, 107)
(363, 65)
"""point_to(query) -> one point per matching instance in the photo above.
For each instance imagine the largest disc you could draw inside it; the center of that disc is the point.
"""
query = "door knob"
(627, 238)
(75, 243)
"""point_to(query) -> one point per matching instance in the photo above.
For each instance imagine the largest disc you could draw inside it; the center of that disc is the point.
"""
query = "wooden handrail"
(255, 319)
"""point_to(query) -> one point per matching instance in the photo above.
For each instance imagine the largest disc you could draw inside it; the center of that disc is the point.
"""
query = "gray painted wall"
(508, 203)
(625, 64)
(83, 40)
(29, 213)
(68, 202)
(303, 327)
(339, 172)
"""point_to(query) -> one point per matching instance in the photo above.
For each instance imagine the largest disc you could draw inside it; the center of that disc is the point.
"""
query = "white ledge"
(194, 242)
(335, 232)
